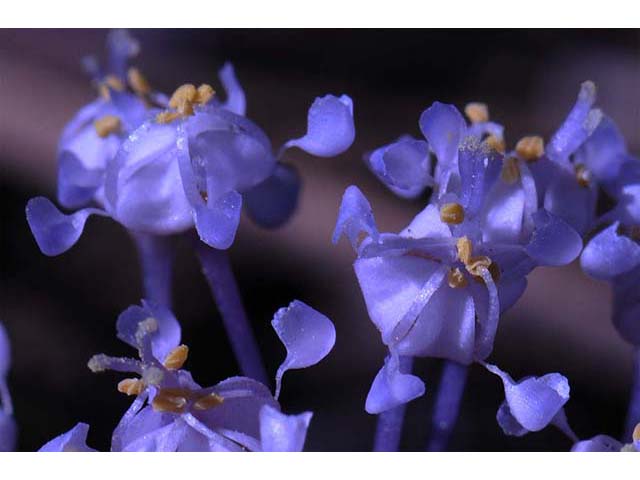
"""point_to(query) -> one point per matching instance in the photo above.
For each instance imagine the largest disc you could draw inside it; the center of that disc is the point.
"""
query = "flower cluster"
(438, 288)
(171, 412)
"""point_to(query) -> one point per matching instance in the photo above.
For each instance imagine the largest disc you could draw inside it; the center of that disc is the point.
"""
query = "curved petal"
(8, 433)
(77, 185)
(535, 401)
(609, 254)
(444, 127)
(599, 443)
(579, 124)
(553, 241)
(283, 433)
(307, 335)
(271, 203)
(392, 387)
(330, 128)
(404, 166)
(55, 232)
(75, 440)
(355, 216)
(508, 423)
(236, 101)
(121, 47)
(217, 223)
(163, 340)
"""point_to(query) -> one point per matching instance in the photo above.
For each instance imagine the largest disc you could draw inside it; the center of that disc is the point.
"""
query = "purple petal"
(307, 335)
(75, 440)
(404, 167)
(444, 128)
(392, 387)
(217, 223)
(427, 224)
(355, 216)
(609, 254)
(55, 232)
(603, 152)
(330, 129)
(534, 402)
(599, 443)
(5, 352)
(163, 340)
(579, 124)
(271, 203)
(8, 433)
(236, 101)
(503, 213)
(508, 423)
(77, 185)
(570, 201)
(121, 47)
(553, 241)
(141, 432)
(283, 433)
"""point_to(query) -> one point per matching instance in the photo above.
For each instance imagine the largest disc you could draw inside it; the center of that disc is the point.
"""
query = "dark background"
(60, 311)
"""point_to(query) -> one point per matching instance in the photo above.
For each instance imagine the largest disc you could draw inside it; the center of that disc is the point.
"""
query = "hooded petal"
(599, 443)
(283, 433)
(330, 129)
(307, 335)
(553, 241)
(609, 254)
(217, 223)
(236, 101)
(444, 128)
(392, 387)
(55, 232)
(603, 152)
(355, 216)
(75, 440)
(535, 401)
(272, 202)
(163, 340)
(404, 166)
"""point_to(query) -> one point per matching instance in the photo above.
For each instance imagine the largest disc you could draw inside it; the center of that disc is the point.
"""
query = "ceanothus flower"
(437, 288)
(172, 412)
(190, 164)
(8, 430)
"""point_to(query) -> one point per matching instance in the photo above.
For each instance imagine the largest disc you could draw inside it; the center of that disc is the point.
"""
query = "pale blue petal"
(75, 440)
(121, 47)
(444, 128)
(609, 254)
(599, 443)
(283, 433)
(427, 224)
(8, 432)
(392, 387)
(355, 216)
(553, 241)
(217, 222)
(236, 101)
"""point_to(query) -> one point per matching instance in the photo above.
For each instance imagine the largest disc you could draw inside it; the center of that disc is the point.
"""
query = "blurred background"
(60, 311)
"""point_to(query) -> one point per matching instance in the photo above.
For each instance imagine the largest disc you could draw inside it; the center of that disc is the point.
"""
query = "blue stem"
(633, 413)
(217, 269)
(156, 259)
(447, 406)
(389, 426)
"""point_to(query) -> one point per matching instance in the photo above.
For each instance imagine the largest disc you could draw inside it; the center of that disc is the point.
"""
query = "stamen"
(494, 271)
(210, 401)
(107, 125)
(636, 433)
(167, 117)
(510, 170)
(176, 357)
(452, 213)
(170, 400)
(131, 386)
(183, 97)
(476, 263)
(465, 248)
(495, 143)
(583, 175)
(146, 327)
(138, 82)
(456, 278)
(110, 81)
(205, 93)
(477, 112)
(530, 148)
(152, 376)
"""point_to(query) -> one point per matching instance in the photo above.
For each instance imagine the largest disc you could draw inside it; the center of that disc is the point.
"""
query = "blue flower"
(172, 412)
(8, 430)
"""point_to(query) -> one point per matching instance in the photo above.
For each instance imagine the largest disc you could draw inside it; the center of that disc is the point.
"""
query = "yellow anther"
(114, 82)
(107, 125)
(477, 112)
(176, 357)
(583, 175)
(210, 401)
(205, 93)
(167, 117)
(510, 172)
(530, 148)
(185, 95)
(452, 213)
(138, 82)
(171, 400)
(476, 264)
(495, 143)
(456, 279)
(636, 433)
(465, 249)
(131, 386)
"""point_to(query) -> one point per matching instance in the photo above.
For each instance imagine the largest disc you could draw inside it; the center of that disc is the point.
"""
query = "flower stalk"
(447, 405)
(156, 261)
